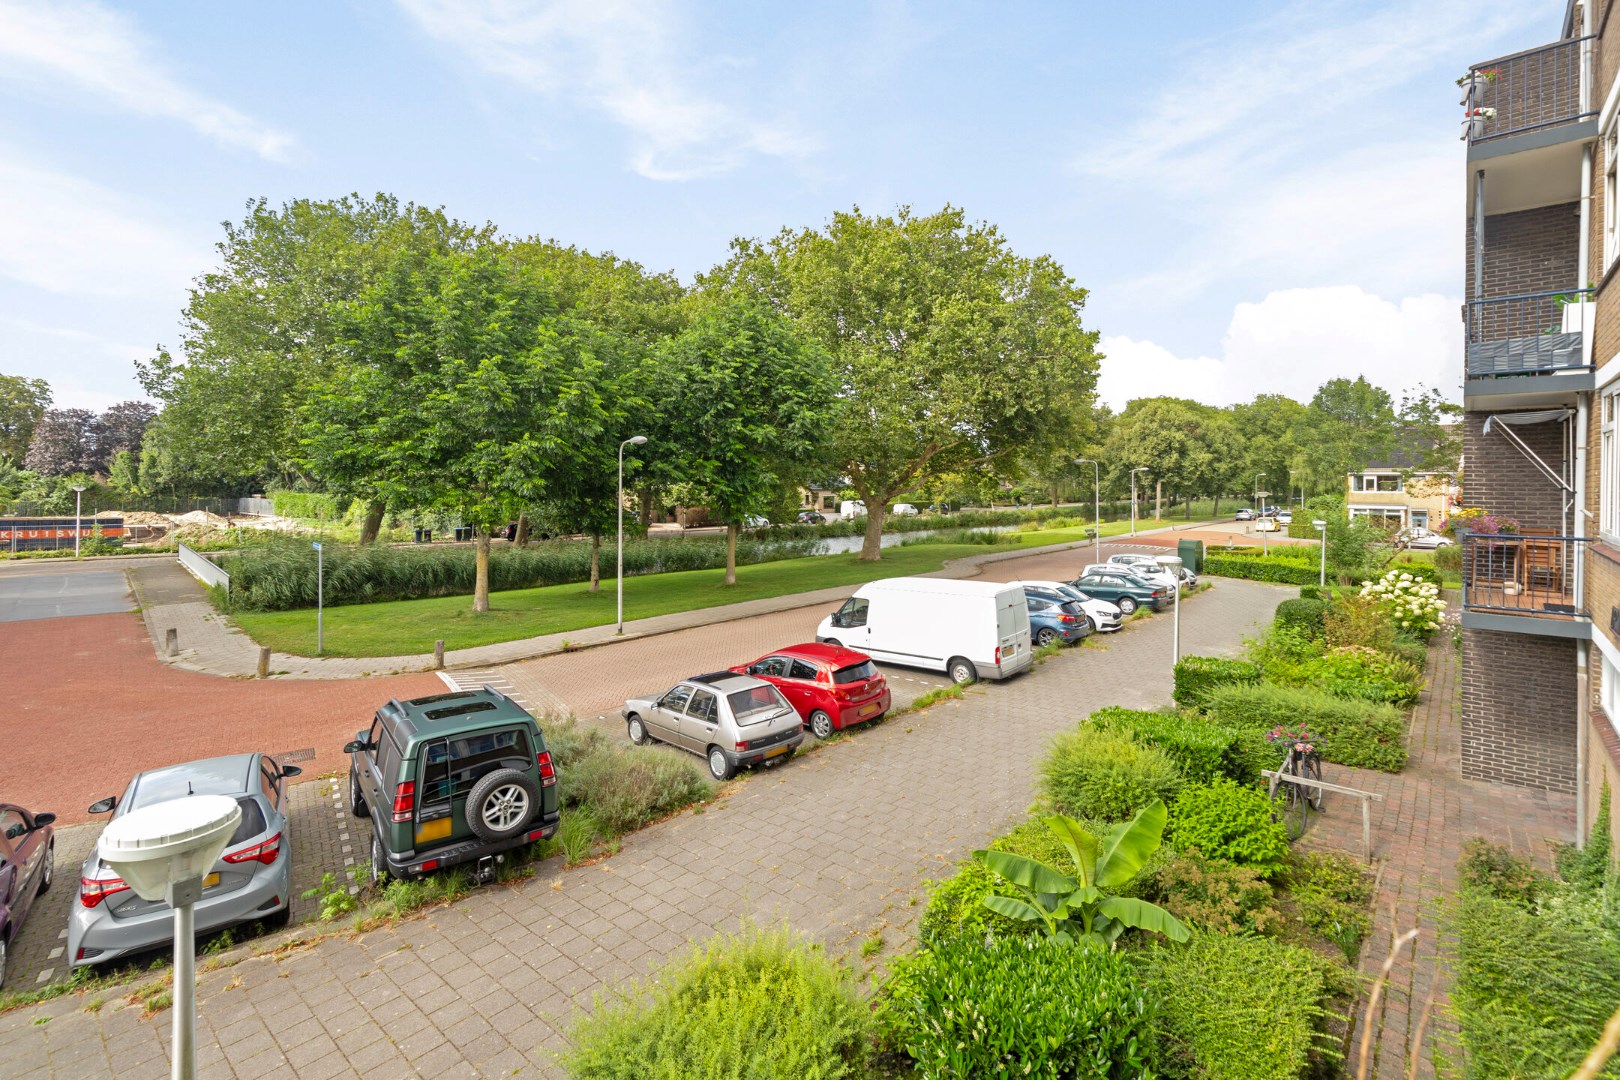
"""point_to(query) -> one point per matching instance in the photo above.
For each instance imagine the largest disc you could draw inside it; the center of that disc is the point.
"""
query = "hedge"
(1303, 615)
(1280, 571)
(1201, 749)
(309, 504)
(1197, 675)
(1348, 732)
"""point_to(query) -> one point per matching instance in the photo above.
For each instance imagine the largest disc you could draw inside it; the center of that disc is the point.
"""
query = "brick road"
(836, 843)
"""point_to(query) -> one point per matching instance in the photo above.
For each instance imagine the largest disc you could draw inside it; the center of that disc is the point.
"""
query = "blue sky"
(1259, 196)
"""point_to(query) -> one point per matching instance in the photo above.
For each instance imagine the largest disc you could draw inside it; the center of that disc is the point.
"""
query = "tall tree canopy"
(1349, 423)
(64, 442)
(22, 403)
(949, 349)
(1269, 427)
(1186, 446)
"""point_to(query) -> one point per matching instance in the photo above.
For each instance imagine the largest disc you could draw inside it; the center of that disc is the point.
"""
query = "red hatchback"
(832, 687)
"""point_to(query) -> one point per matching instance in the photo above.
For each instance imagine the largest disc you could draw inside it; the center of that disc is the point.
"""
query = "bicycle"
(1300, 760)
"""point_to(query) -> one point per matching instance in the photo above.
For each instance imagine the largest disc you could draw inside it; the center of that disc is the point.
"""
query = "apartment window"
(1611, 190)
(1609, 465)
(1609, 692)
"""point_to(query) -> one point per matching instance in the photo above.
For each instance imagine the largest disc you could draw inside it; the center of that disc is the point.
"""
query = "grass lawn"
(403, 627)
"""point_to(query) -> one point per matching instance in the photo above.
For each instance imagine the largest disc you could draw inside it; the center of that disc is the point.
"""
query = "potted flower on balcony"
(1473, 84)
(1474, 122)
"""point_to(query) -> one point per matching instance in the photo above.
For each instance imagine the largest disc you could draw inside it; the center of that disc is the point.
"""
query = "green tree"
(22, 403)
(1186, 446)
(753, 399)
(1430, 432)
(463, 391)
(1268, 428)
(949, 349)
(1349, 423)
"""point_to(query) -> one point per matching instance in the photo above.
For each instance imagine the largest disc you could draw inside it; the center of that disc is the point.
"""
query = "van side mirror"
(356, 746)
(290, 771)
(42, 820)
(103, 805)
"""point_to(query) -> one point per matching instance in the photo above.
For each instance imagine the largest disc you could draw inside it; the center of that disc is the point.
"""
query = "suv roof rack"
(714, 677)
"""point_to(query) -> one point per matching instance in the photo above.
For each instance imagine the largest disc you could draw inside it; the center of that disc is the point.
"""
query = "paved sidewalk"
(1428, 812)
(838, 843)
(208, 643)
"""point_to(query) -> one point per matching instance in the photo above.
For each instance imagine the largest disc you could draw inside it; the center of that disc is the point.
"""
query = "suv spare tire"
(502, 804)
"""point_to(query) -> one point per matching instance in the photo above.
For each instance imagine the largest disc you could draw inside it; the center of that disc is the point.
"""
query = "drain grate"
(306, 754)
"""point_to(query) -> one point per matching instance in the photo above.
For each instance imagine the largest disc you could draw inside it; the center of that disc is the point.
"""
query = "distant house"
(824, 500)
(1390, 493)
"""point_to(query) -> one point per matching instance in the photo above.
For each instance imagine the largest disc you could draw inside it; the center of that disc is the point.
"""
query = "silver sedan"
(252, 881)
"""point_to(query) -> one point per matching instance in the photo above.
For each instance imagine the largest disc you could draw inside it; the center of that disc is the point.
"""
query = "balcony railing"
(1536, 332)
(1528, 91)
(1522, 575)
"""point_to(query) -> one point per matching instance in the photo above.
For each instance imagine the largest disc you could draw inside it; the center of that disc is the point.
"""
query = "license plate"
(211, 879)
(870, 709)
(775, 750)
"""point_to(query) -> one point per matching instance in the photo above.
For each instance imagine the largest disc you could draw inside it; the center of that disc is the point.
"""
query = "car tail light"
(266, 852)
(1157, 593)
(741, 747)
(405, 801)
(93, 891)
(548, 771)
(1066, 618)
(431, 864)
(998, 654)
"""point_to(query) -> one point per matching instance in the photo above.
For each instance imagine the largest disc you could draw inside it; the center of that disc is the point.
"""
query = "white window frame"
(1609, 691)
(1609, 463)
(1609, 140)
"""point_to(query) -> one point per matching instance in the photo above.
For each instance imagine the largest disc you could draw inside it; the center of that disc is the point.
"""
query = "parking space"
(63, 595)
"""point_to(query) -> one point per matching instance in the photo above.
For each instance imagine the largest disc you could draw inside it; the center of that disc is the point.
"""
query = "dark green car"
(450, 779)
(1125, 589)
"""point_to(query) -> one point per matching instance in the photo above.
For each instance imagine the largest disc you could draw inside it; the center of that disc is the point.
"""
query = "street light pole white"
(634, 440)
(78, 508)
(1096, 499)
(1133, 497)
(320, 597)
(1321, 526)
(1257, 478)
(1173, 564)
(163, 851)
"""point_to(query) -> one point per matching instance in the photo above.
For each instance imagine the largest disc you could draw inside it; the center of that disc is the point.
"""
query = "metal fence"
(204, 569)
(1523, 574)
(1527, 91)
(1510, 335)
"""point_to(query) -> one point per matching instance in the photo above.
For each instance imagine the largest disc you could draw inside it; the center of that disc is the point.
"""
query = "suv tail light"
(93, 891)
(548, 771)
(405, 801)
(264, 852)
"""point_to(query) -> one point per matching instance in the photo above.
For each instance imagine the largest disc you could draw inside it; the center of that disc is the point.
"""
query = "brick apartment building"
(1541, 609)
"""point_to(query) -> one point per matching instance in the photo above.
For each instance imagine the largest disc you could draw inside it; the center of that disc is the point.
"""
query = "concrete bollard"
(171, 641)
(438, 654)
(264, 661)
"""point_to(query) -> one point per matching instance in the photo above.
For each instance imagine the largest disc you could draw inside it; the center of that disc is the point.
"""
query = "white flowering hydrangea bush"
(1410, 603)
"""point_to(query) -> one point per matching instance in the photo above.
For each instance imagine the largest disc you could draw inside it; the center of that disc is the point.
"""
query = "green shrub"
(1097, 774)
(1200, 749)
(1533, 987)
(1237, 1007)
(1011, 1006)
(1216, 895)
(1197, 675)
(1333, 893)
(758, 1004)
(1410, 648)
(1281, 571)
(1448, 559)
(621, 787)
(1591, 867)
(1352, 620)
(1227, 821)
(1494, 870)
(1353, 671)
(1315, 592)
(309, 504)
(1362, 734)
(1283, 654)
(1302, 615)
(1421, 571)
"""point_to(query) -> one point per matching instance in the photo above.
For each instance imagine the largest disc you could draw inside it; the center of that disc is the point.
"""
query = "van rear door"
(1012, 628)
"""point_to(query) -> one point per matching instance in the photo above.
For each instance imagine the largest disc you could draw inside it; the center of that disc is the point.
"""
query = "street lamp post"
(78, 508)
(634, 440)
(320, 597)
(1096, 499)
(1257, 478)
(1173, 564)
(1133, 497)
(1321, 526)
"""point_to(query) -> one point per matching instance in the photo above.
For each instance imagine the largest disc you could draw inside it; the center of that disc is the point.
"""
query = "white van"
(851, 508)
(968, 629)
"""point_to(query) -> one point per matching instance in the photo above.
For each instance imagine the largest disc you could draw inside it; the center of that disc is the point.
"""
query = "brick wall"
(1603, 767)
(1529, 251)
(1499, 478)
(1518, 714)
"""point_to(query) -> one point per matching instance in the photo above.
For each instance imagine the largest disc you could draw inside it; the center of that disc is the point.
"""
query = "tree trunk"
(1189, 507)
(646, 506)
(596, 563)
(732, 529)
(1158, 500)
(522, 536)
(481, 562)
(372, 526)
(1217, 511)
(1054, 491)
(872, 542)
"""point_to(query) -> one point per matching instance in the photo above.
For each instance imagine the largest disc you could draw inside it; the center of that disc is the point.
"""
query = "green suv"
(449, 779)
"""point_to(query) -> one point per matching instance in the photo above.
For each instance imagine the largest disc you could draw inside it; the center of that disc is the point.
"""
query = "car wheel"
(357, 801)
(1045, 636)
(1091, 625)
(637, 730)
(50, 868)
(1126, 605)
(379, 862)
(821, 725)
(502, 804)
(834, 642)
(962, 671)
(720, 766)
(278, 920)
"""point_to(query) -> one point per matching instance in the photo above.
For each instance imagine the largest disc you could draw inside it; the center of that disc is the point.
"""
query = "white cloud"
(100, 53)
(67, 235)
(1293, 341)
(620, 57)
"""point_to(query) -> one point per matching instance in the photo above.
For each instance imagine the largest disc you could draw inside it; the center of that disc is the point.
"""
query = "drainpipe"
(1583, 408)
(1479, 235)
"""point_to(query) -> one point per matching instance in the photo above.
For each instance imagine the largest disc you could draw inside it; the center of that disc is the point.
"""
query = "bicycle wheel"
(1313, 770)
(1296, 811)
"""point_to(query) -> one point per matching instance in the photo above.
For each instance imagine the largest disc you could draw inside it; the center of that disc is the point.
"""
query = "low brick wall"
(1518, 709)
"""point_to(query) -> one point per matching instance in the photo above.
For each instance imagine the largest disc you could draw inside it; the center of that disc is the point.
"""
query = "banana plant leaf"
(1014, 909)
(1143, 916)
(1127, 846)
(1082, 846)
(1027, 873)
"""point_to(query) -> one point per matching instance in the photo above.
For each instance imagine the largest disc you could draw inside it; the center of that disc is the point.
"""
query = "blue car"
(1055, 620)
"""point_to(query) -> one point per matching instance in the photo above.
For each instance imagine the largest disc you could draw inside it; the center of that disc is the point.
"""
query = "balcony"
(1527, 575)
(1534, 334)
(1534, 91)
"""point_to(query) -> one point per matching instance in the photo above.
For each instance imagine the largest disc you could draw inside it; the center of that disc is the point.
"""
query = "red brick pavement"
(88, 705)
(1428, 812)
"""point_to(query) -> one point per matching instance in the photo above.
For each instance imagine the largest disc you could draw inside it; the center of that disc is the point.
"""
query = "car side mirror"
(753, 669)
(356, 746)
(290, 771)
(42, 820)
(103, 806)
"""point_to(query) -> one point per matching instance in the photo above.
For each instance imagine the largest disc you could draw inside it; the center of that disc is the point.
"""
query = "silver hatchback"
(251, 881)
(732, 721)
